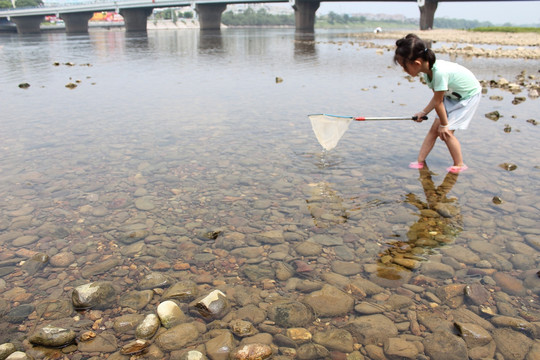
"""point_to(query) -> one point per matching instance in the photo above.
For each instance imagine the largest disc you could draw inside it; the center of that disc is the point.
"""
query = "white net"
(329, 130)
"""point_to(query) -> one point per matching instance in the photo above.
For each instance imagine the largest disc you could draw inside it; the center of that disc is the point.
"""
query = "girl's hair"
(411, 47)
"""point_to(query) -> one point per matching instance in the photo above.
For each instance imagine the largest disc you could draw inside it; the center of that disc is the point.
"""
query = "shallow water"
(180, 133)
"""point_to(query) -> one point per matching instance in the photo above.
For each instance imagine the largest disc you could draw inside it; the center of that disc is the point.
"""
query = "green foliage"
(187, 15)
(259, 18)
(510, 29)
(5, 4)
(28, 3)
(446, 23)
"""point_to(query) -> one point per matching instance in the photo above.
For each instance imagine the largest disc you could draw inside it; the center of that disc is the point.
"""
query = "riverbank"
(470, 43)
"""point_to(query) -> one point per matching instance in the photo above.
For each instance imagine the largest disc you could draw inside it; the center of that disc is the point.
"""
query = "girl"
(456, 94)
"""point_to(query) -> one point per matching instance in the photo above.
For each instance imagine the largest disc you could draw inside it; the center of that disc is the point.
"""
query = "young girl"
(456, 94)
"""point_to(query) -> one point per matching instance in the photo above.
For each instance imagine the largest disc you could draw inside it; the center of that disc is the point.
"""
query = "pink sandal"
(457, 169)
(416, 165)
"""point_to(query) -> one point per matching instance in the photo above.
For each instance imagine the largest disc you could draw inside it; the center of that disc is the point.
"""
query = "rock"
(366, 308)
(399, 349)
(136, 300)
(213, 306)
(335, 339)
(6, 349)
(312, 351)
(19, 355)
(308, 248)
(509, 284)
(99, 268)
(461, 254)
(192, 355)
(252, 352)
(170, 314)
(148, 327)
(330, 301)
(511, 344)
(474, 335)
(290, 313)
(135, 347)
(477, 293)
(494, 115)
(184, 291)
(20, 313)
(437, 270)
(97, 295)
(154, 280)
(177, 337)
(220, 346)
(372, 329)
(103, 343)
(62, 259)
(299, 335)
(242, 328)
(52, 336)
(517, 324)
(125, 324)
(144, 203)
(443, 345)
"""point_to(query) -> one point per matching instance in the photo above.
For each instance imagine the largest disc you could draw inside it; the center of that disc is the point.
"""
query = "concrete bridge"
(136, 12)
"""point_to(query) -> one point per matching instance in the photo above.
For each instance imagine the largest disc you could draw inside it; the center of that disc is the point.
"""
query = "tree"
(5, 4)
(28, 3)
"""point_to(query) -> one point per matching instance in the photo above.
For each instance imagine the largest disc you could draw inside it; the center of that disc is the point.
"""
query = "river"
(180, 157)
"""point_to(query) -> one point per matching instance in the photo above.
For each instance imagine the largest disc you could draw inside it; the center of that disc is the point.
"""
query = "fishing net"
(329, 130)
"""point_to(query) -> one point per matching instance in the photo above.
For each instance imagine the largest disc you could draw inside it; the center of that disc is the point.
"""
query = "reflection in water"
(326, 205)
(304, 44)
(210, 40)
(439, 222)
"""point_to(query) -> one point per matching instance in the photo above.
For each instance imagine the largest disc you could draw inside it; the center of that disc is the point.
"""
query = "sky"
(496, 12)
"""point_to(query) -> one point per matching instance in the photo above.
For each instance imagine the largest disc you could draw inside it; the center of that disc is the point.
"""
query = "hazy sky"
(497, 12)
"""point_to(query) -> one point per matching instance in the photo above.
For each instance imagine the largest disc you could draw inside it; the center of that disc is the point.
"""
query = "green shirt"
(455, 80)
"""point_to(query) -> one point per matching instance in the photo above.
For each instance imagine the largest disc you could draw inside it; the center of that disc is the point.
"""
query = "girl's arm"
(436, 103)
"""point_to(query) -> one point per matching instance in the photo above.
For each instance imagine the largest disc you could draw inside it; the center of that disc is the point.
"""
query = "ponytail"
(411, 47)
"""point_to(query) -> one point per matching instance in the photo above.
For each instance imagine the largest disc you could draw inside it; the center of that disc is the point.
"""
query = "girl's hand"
(444, 133)
(418, 116)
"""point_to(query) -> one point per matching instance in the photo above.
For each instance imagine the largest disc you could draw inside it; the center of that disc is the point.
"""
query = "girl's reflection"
(439, 222)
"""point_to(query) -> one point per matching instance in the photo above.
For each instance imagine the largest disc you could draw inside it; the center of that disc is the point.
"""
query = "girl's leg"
(429, 141)
(455, 149)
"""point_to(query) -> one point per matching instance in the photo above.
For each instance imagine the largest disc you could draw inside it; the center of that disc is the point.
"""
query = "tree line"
(7, 4)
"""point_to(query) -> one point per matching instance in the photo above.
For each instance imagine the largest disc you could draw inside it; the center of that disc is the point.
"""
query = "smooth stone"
(473, 334)
(442, 345)
(509, 284)
(177, 337)
(62, 259)
(477, 293)
(19, 355)
(308, 248)
(148, 327)
(25, 240)
(372, 329)
(136, 300)
(346, 268)
(399, 349)
(6, 349)
(125, 324)
(290, 313)
(100, 267)
(99, 294)
(335, 339)
(213, 306)
(52, 336)
(219, 347)
(20, 313)
(251, 352)
(144, 203)
(242, 328)
(192, 355)
(170, 314)
(135, 347)
(512, 344)
(461, 254)
(330, 301)
(326, 240)
(154, 280)
(366, 308)
(437, 270)
(54, 309)
(103, 343)
(311, 351)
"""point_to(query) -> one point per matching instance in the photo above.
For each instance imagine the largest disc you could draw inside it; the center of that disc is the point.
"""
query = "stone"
(330, 301)
(170, 314)
(477, 293)
(177, 337)
(99, 294)
(213, 306)
(251, 352)
(335, 339)
(135, 347)
(6, 349)
(399, 349)
(219, 347)
(136, 300)
(154, 280)
(473, 334)
(312, 351)
(512, 344)
(148, 327)
(442, 345)
(126, 324)
(103, 343)
(290, 313)
(372, 329)
(184, 291)
(52, 336)
(19, 355)
(242, 328)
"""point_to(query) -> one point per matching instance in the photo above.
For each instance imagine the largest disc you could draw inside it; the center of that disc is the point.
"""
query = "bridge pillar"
(427, 13)
(136, 19)
(76, 22)
(28, 24)
(210, 15)
(304, 14)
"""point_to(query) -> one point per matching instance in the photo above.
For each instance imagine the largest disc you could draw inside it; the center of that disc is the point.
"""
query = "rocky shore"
(470, 43)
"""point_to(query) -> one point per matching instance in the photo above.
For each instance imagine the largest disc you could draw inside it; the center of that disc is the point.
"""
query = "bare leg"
(429, 141)
(455, 149)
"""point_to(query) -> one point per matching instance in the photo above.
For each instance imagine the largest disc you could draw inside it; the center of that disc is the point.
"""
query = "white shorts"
(461, 112)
